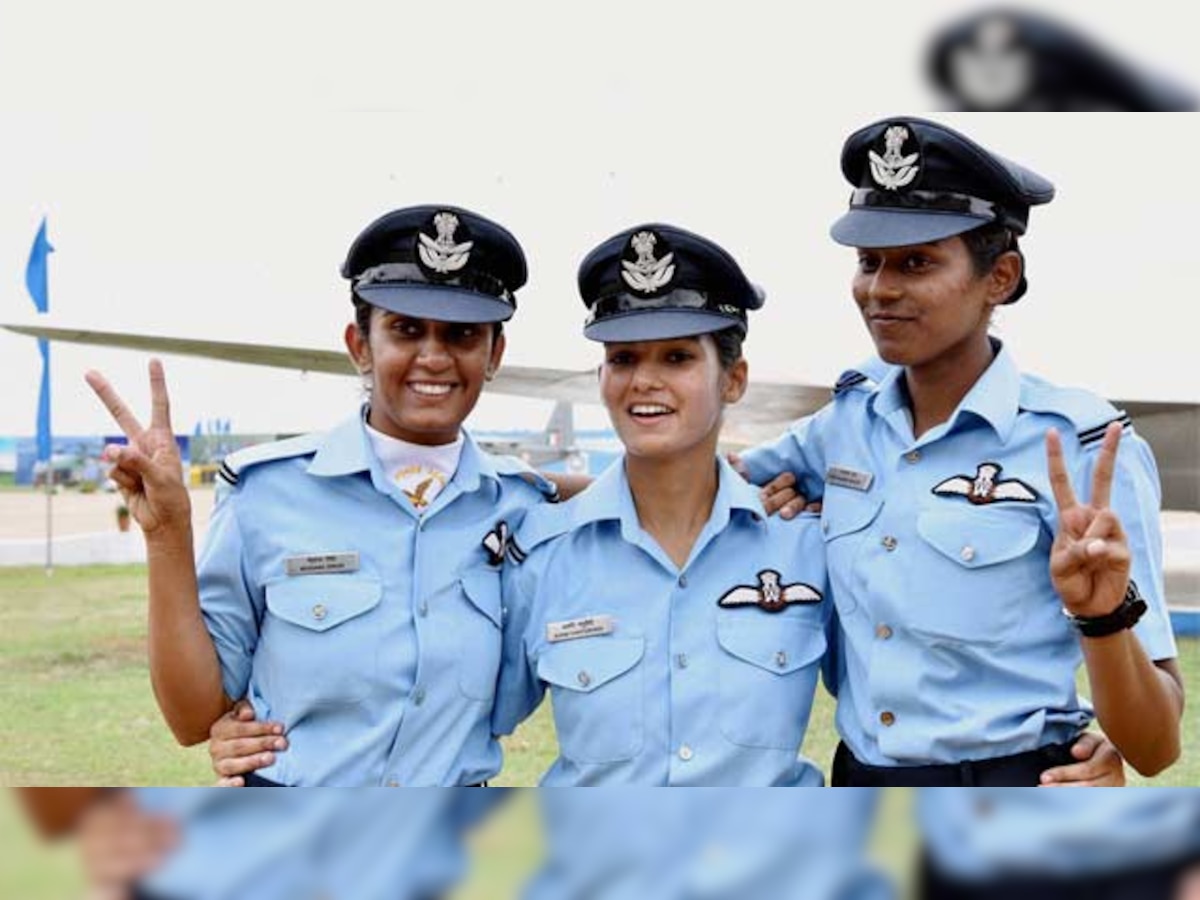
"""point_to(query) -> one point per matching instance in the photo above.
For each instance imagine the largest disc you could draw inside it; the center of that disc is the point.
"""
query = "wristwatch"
(1132, 608)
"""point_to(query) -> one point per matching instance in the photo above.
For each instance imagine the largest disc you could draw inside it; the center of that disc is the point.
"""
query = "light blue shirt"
(953, 645)
(307, 844)
(654, 681)
(989, 831)
(707, 844)
(383, 670)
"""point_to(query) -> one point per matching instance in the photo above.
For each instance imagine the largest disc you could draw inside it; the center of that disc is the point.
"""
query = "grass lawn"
(76, 708)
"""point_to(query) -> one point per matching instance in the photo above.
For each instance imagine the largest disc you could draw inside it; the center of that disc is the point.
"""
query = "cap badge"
(986, 487)
(647, 274)
(442, 254)
(893, 171)
(770, 595)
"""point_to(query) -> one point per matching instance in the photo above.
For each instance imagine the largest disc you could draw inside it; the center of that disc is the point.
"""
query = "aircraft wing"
(768, 407)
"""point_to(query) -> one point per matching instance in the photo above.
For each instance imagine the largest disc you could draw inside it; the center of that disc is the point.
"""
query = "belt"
(253, 779)
(1018, 770)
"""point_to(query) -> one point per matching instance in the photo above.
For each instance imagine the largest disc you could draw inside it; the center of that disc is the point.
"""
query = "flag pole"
(37, 282)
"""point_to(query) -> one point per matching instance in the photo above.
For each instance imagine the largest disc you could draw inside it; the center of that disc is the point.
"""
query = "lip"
(443, 389)
(649, 421)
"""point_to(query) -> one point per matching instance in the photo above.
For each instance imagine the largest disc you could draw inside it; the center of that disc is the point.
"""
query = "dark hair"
(988, 243)
(362, 318)
(729, 345)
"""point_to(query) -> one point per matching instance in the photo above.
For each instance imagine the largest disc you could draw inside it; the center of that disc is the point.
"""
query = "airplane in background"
(1172, 429)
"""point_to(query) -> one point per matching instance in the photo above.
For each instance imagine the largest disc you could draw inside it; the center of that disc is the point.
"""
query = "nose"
(433, 354)
(647, 377)
(883, 286)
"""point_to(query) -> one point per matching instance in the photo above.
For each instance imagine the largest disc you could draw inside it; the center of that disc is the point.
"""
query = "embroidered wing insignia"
(770, 595)
(986, 487)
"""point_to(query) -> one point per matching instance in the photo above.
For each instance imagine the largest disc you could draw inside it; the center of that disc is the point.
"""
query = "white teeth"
(649, 409)
(430, 390)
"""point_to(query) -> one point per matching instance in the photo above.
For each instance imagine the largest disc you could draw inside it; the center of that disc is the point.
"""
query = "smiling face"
(426, 376)
(665, 398)
(926, 304)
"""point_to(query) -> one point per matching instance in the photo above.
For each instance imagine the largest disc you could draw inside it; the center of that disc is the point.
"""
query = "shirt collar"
(994, 397)
(609, 498)
(346, 450)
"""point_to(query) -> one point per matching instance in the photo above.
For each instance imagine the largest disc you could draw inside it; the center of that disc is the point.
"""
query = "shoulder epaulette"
(864, 376)
(542, 523)
(239, 461)
(510, 466)
(1089, 414)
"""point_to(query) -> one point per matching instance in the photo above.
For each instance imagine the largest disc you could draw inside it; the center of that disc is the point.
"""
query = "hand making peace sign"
(148, 470)
(1090, 559)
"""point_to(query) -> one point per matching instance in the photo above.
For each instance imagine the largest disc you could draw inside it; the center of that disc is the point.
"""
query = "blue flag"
(37, 281)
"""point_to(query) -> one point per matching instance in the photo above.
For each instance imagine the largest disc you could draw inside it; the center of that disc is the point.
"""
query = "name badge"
(849, 478)
(321, 563)
(589, 626)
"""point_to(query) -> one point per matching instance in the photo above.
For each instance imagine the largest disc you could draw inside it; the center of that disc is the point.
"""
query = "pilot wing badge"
(986, 487)
(769, 595)
(893, 170)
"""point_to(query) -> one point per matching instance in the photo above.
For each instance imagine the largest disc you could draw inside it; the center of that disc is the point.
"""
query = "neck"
(674, 497)
(936, 388)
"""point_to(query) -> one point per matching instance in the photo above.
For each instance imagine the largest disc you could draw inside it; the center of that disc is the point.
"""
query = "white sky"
(204, 169)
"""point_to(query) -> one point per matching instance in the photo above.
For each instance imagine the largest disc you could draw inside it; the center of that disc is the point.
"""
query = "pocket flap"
(846, 513)
(482, 587)
(321, 602)
(777, 646)
(588, 663)
(974, 538)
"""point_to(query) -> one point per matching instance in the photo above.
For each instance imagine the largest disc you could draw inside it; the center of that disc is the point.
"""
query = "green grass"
(76, 708)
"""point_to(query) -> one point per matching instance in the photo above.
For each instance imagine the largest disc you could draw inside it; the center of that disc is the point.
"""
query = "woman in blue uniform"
(350, 583)
(954, 537)
(679, 630)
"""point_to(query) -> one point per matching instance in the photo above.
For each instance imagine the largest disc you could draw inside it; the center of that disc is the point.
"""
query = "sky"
(204, 169)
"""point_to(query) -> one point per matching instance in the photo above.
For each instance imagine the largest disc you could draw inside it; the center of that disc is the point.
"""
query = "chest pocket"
(768, 674)
(846, 517)
(319, 639)
(478, 633)
(596, 689)
(982, 574)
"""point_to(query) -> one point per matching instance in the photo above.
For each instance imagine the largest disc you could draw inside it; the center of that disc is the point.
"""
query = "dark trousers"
(1020, 770)
(1159, 882)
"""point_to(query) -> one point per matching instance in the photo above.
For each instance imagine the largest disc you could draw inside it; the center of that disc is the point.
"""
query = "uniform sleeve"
(1136, 499)
(519, 691)
(797, 450)
(232, 606)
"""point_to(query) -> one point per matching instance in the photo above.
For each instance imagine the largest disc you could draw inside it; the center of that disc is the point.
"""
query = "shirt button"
(683, 581)
(423, 609)
(889, 543)
(685, 753)
(682, 660)
(913, 456)
(781, 659)
(967, 554)
(319, 612)
(584, 679)
(887, 718)
(883, 632)
(419, 696)
(393, 783)
(825, 527)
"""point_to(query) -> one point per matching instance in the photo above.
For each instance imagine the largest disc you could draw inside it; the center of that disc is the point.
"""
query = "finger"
(815, 507)
(131, 459)
(793, 507)
(243, 764)
(126, 482)
(774, 501)
(121, 413)
(738, 466)
(244, 710)
(1060, 481)
(244, 747)
(1085, 748)
(1106, 464)
(226, 729)
(1105, 525)
(160, 402)
(233, 782)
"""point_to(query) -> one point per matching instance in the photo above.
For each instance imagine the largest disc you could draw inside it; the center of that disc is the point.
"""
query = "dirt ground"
(23, 513)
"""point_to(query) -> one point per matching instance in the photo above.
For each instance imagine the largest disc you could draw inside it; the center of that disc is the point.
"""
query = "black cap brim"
(880, 227)
(658, 325)
(440, 304)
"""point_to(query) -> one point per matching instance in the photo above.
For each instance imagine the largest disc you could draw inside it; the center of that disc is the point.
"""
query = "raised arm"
(1139, 702)
(184, 669)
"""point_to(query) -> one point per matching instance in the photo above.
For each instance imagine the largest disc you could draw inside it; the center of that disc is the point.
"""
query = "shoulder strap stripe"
(226, 474)
(515, 553)
(848, 382)
(1096, 434)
